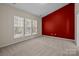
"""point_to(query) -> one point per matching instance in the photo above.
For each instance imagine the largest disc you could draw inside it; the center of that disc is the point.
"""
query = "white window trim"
(15, 35)
(25, 28)
(33, 33)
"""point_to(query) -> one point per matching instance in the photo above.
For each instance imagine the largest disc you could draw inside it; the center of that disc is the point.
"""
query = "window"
(18, 26)
(34, 28)
(24, 27)
(27, 27)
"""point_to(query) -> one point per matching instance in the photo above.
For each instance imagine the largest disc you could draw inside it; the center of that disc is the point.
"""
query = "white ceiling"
(39, 9)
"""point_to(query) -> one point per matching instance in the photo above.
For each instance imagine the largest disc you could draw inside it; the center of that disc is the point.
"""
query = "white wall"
(7, 14)
(77, 24)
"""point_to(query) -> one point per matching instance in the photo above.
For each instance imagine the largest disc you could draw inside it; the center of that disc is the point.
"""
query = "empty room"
(39, 29)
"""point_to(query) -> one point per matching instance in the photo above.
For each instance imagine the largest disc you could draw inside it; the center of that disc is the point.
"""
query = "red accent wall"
(60, 23)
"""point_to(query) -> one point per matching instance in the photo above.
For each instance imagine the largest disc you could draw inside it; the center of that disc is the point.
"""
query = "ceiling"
(39, 9)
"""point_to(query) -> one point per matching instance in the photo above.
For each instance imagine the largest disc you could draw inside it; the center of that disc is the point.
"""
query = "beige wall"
(7, 14)
(77, 23)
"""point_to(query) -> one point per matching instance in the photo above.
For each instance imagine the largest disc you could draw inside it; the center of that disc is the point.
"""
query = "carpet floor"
(41, 46)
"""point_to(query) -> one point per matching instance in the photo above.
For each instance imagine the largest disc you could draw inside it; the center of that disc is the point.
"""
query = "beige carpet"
(41, 46)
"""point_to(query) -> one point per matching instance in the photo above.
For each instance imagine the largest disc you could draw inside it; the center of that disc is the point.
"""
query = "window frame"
(34, 26)
(30, 21)
(21, 19)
